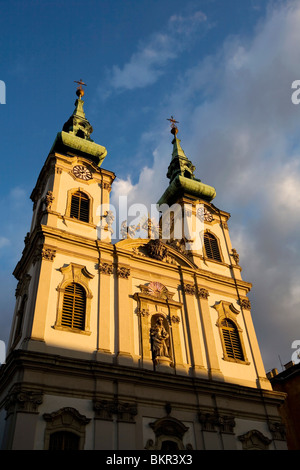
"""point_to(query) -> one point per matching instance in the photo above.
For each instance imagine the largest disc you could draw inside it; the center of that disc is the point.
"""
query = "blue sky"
(224, 69)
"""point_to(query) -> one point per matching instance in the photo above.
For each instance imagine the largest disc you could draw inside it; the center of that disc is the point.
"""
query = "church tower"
(142, 344)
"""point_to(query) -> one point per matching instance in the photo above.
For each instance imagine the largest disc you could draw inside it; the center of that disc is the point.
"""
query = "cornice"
(42, 363)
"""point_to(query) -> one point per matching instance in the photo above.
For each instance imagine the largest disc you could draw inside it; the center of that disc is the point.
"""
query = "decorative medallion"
(156, 288)
(82, 172)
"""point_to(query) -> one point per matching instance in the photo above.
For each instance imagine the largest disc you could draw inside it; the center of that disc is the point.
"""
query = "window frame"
(80, 275)
(75, 302)
(218, 247)
(230, 350)
(65, 420)
(71, 193)
(227, 311)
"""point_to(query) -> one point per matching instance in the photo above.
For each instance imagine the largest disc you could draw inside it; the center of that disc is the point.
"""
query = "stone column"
(176, 340)
(125, 317)
(104, 349)
(212, 356)
(262, 380)
(194, 331)
(45, 256)
(144, 319)
(115, 425)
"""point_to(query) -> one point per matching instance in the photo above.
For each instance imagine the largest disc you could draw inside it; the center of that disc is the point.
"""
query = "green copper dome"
(182, 179)
(75, 135)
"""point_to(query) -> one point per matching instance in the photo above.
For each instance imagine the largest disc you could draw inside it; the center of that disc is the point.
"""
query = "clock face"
(82, 172)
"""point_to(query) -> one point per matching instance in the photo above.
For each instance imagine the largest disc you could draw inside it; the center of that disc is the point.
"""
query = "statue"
(160, 338)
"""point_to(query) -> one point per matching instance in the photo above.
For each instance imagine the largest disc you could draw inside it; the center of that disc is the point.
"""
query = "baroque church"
(145, 343)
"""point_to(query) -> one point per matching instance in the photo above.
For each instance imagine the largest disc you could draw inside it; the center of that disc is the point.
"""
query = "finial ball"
(79, 92)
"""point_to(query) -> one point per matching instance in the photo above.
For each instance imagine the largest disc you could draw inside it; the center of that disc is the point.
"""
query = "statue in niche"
(160, 339)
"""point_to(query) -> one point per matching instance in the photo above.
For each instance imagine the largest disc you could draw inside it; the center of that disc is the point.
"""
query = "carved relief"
(23, 284)
(156, 289)
(277, 430)
(48, 254)
(105, 409)
(235, 256)
(43, 253)
(189, 289)
(23, 400)
(255, 440)
(106, 268)
(211, 421)
(106, 186)
(171, 251)
(157, 250)
(174, 318)
(203, 293)
(123, 272)
(143, 312)
(246, 304)
(48, 199)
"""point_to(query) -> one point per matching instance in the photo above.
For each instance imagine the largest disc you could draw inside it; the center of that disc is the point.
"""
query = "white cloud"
(4, 242)
(149, 62)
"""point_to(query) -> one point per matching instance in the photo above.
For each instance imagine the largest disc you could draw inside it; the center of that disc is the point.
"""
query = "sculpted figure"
(160, 338)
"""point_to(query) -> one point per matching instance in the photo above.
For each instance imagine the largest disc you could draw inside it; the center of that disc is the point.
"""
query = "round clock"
(82, 172)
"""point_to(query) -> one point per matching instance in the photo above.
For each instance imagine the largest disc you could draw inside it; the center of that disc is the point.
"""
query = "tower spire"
(76, 132)
(181, 175)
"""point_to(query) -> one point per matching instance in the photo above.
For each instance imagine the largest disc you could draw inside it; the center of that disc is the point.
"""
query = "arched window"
(80, 206)
(64, 440)
(231, 340)
(74, 305)
(211, 247)
(65, 429)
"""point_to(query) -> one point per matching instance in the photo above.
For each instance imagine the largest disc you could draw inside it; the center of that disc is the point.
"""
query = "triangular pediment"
(170, 252)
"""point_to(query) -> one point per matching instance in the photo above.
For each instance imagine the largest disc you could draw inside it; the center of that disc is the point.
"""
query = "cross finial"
(80, 91)
(174, 128)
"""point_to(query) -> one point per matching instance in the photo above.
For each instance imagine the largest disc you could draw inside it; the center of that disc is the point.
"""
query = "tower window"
(231, 339)
(74, 305)
(211, 247)
(80, 207)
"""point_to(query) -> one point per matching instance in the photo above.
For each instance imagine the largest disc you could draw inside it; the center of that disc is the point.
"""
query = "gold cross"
(172, 121)
(80, 83)
(79, 91)
(174, 128)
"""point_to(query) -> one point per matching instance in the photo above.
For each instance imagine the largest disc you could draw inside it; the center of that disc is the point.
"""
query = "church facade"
(146, 343)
